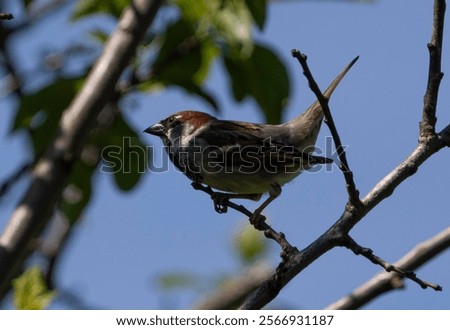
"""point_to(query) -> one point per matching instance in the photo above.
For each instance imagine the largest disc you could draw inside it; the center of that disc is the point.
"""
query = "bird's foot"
(220, 201)
(257, 218)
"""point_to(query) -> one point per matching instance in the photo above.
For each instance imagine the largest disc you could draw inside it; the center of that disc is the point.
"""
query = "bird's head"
(181, 126)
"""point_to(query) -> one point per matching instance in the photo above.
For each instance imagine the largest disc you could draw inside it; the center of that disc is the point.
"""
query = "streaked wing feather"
(233, 138)
(230, 133)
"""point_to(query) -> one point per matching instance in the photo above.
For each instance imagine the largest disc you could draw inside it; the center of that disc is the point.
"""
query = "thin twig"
(16, 176)
(353, 193)
(368, 253)
(444, 136)
(385, 282)
(427, 126)
(6, 16)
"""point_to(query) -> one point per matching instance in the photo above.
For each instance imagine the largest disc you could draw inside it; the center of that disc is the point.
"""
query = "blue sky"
(126, 240)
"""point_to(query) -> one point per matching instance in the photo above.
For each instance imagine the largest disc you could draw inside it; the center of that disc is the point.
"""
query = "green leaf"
(28, 2)
(250, 244)
(77, 192)
(226, 23)
(182, 56)
(201, 92)
(86, 8)
(258, 9)
(263, 77)
(183, 60)
(234, 25)
(30, 291)
(42, 110)
(194, 13)
(99, 35)
(179, 280)
(124, 155)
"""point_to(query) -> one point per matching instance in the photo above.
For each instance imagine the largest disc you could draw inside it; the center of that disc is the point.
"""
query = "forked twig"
(353, 193)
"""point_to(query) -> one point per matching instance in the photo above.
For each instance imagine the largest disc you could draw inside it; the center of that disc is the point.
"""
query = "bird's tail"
(338, 79)
(315, 107)
(306, 126)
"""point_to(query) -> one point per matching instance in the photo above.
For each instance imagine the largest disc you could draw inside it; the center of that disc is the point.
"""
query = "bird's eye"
(171, 119)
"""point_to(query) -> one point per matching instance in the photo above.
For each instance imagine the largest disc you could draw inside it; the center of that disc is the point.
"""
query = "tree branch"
(233, 291)
(368, 253)
(53, 168)
(385, 282)
(427, 126)
(337, 234)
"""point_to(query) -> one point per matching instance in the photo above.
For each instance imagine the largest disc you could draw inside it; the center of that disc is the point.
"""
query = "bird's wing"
(242, 143)
(224, 133)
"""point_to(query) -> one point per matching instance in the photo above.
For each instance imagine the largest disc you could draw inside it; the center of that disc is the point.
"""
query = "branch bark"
(427, 126)
(232, 292)
(53, 168)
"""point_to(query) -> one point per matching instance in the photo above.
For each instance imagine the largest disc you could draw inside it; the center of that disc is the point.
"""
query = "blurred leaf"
(226, 23)
(234, 25)
(177, 280)
(129, 158)
(250, 244)
(123, 154)
(42, 110)
(90, 7)
(191, 43)
(175, 43)
(99, 35)
(203, 9)
(77, 193)
(183, 60)
(258, 10)
(263, 77)
(133, 167)
(197, 90)
(182, 56)
(30, 291)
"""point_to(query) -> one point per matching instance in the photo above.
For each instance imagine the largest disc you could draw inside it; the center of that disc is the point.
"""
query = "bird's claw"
(220, 202)
(220, 199)
(256, 219)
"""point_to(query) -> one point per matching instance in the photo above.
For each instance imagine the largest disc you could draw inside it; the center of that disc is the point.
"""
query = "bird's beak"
(156, 129)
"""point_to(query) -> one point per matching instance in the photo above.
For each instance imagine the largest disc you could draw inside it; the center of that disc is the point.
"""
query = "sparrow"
(241, 159)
